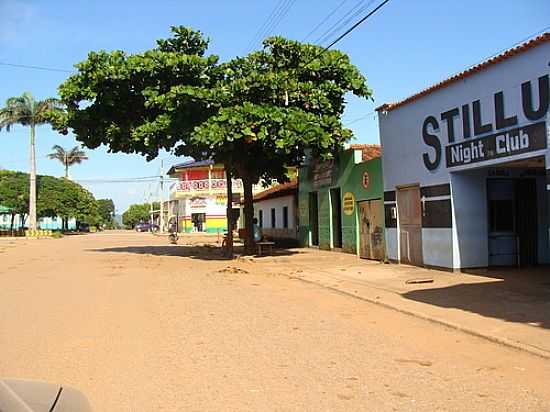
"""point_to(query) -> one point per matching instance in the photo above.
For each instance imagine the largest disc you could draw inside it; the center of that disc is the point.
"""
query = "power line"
(360, 118)
(327, 17)
(347, 32)
(25, 66)
(352, 28)
(272, 22)
(258, 33)
(352, 13)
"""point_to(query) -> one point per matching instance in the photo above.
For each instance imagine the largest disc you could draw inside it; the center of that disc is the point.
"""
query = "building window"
(273, 223)
(285, 217)
(261, 218)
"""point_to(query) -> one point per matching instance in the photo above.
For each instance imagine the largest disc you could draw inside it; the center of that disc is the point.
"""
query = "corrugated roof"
(370, 151)
(284, 189)
(470, 71)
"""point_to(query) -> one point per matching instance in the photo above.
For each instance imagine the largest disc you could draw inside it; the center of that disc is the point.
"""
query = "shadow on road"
(518, 296)
(202, 252)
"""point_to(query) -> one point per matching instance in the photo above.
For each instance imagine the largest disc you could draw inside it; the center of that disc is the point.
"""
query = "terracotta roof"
(470, 71)
(284, 189)
(370, 151)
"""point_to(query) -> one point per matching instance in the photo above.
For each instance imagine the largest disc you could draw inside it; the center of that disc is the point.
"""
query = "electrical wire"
(343, 21)
(274, 19)
(327, 17)
(25, 66)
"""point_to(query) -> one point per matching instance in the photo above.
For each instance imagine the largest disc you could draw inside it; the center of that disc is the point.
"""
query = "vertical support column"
(547, 164)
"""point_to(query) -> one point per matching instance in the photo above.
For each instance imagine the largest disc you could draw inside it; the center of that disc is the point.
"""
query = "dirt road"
(139, 325)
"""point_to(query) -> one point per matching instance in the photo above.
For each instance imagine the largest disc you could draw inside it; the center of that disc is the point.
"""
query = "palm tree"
(71, 157)
(26, 111)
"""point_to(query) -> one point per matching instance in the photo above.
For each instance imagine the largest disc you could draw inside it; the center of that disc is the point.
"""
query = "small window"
(273, 222)
(285, 217)
(261, 218)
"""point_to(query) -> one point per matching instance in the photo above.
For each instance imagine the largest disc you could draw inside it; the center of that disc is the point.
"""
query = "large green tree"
(14, 193)
(57, 197)
(26, 111)
(256, 114)
(138, 213)
(106, 211)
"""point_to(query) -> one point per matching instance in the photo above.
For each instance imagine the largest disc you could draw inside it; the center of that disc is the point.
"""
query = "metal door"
(371, 230)
(410, 225)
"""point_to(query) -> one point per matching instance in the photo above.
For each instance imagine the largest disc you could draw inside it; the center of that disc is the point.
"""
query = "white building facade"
(277, 211)
(466, 166)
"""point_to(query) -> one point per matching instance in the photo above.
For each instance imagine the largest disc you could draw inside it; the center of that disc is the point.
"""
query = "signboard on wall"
(515, 141)
(479, 130)
(348, 203)
(197, 203)
(323, 173)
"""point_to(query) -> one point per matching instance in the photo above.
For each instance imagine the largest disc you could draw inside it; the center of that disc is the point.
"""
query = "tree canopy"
(257, 114)
(57, 197)
(138, 213)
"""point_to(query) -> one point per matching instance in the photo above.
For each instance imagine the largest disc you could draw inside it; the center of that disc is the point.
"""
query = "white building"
(276, 210)
(467, 163)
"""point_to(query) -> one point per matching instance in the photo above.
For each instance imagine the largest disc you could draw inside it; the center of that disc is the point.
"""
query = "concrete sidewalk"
(505, 306)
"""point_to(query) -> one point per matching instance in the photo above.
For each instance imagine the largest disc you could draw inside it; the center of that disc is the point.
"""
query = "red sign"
(366, 180)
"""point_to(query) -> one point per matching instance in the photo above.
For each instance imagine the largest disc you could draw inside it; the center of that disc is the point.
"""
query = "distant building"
(44, 223)
(198, 200)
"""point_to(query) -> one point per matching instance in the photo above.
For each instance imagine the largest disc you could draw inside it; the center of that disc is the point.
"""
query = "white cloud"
(15, 17)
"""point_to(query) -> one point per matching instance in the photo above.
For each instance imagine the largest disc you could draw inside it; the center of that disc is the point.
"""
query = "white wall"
(277, 203)
(391, 244)
(437, 247)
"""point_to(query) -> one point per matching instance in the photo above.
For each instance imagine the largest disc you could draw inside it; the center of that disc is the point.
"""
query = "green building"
(341, 203)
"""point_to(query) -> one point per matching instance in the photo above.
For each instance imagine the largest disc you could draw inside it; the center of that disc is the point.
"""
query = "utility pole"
(161, 223)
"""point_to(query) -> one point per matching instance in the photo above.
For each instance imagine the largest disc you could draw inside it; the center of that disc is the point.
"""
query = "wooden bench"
(265, 244)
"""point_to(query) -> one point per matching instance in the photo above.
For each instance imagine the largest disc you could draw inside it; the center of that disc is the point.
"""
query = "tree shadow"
(201, 252)
(521, 296)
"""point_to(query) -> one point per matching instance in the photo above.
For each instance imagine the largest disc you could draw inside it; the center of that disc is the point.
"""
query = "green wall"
(348, 176)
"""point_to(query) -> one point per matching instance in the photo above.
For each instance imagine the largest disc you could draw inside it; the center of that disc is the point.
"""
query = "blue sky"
(405, 47)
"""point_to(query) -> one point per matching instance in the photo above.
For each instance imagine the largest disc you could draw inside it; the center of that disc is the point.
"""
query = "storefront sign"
(509, 143)
(348, 203)
(215, 185)
(323, 174)
(506, 142)
(198, 203)
(366, 180)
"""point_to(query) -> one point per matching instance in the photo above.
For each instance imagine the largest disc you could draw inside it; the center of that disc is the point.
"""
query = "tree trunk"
(66, 169)
(248, 215)
(12, 223)
(229, 240)
(32, 194)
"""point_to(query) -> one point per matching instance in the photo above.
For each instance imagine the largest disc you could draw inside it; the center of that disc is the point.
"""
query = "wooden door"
(410, 225)
(371, 229)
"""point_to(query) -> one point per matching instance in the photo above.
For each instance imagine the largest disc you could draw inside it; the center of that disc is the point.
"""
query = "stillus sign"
(505, 139)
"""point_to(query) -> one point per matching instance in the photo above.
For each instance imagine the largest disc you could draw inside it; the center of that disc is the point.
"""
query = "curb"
(501, 341)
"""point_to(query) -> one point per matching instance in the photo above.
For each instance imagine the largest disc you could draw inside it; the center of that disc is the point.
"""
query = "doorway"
(199, 222)
(336, 216)
(314, 218)
(410, 225)
(512, 222)
(371, 229)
